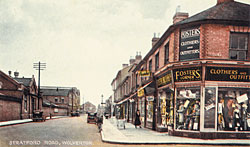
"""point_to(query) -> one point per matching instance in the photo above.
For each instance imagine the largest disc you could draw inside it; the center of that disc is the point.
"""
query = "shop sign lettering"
(187, 74)
(140, 92)
(190, 43)
(228, 74)
(144, 73)
(164, 79)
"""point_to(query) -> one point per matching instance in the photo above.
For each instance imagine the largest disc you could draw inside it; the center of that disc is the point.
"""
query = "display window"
(188, 108)
(166, 109)
(150, 110)
(130, 110)
(233, 109)
(142, 110)
(210, 107)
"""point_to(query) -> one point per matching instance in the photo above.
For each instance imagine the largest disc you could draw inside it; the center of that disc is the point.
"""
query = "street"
(64, 131)
(70, 131)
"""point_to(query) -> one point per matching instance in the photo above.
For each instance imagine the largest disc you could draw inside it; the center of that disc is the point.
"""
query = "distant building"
(89, 107)
(58, 100)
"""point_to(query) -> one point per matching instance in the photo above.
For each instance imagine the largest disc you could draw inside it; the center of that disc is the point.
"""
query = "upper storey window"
(166, 53)
(156, 61)
(150, 65)
(238, 46)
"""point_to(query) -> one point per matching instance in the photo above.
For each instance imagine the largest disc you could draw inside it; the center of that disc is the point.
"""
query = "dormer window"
(238, 46)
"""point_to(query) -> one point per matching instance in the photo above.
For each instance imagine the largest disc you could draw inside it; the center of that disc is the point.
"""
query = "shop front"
(213, 103)
(165, 105)
(141, 105)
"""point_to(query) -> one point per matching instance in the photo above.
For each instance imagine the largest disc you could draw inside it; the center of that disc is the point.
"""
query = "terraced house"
(199, 81)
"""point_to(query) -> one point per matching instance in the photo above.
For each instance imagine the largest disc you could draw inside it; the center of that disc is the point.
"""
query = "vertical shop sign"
(189, 43)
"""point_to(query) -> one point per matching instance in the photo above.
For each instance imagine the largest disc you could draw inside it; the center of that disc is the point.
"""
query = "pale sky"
(83, 42)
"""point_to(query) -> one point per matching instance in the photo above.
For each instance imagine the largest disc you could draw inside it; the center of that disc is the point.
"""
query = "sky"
(83, 42)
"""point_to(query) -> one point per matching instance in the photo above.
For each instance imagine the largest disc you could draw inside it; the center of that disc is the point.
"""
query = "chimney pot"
(10, 73)
(16, 74)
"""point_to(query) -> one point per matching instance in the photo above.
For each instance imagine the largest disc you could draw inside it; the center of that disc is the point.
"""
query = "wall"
(9, 110)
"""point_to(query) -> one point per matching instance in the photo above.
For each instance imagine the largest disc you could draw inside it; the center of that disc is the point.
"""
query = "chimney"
(155, 39)
(131, 60)
(10, 73)
(223, 1)
(179, 16)
(16, 74)
(138, 57)
(124, 65)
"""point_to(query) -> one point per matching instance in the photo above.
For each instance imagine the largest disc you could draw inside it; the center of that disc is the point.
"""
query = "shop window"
(166, 109)
(238, 47)
(188, 109)
(150, 101)
(233, 109)
(141, 108)
(210, 103)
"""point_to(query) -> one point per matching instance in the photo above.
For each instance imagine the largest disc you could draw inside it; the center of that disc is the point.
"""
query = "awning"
(130, 97)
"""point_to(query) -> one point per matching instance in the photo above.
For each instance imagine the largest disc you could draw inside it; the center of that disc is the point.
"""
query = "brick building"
(18, 97)
(58, 100)
(200, 75)
(122, 88)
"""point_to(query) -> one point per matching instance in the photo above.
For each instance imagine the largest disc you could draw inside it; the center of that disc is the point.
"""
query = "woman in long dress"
(137, 119)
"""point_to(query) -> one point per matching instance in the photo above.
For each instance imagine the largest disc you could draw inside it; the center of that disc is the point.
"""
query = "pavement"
(14, 122)
(130, 135)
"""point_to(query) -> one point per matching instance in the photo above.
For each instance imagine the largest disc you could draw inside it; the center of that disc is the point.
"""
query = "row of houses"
(19, 98)
(195, 80)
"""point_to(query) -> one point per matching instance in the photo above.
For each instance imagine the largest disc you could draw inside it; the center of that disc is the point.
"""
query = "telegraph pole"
(39, 66)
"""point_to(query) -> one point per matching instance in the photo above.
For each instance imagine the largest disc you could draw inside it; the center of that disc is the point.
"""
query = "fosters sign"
(228, 74)
(188, 74)
(190, 43)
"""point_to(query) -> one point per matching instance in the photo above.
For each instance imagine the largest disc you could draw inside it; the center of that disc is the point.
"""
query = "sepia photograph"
(114, 73)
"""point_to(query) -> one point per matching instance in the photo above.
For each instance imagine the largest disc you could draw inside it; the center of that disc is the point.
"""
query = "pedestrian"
(137, 119)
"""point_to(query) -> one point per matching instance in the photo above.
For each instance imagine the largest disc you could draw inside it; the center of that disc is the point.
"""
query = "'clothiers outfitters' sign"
(228, 74)
(188, 74)
(190, 43)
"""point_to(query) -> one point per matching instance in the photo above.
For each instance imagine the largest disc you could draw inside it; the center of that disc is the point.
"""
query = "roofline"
(172, 27)
(10, 79)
